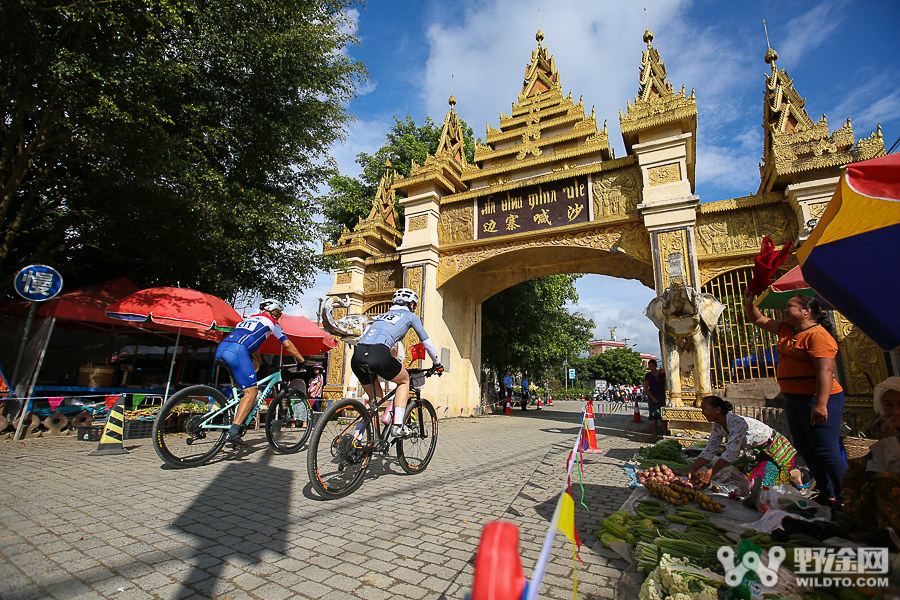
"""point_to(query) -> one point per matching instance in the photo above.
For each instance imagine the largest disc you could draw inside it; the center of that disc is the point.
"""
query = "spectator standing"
(814, 401)
(507, 387)
(525, 393)
(655, 386)
(316, 387)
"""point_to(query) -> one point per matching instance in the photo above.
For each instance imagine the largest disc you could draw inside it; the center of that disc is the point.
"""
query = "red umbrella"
(303, 333)
(176, 307)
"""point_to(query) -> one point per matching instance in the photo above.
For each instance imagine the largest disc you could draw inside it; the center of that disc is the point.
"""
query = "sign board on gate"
(38, 283)
(571, 373)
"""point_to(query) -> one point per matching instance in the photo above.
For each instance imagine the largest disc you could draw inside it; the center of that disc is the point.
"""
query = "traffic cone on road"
(589, 440)
(508, 410)
(550, 400)
(540, 404)
(637, 413)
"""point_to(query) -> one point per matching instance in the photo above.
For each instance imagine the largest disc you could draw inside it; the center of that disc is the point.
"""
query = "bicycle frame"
(271, 381)
(382, 441)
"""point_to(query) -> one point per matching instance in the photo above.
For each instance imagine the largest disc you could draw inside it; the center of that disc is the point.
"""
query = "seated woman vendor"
(754, 447)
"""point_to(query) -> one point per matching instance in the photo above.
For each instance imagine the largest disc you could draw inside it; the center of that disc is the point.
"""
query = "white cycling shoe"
(400, 431)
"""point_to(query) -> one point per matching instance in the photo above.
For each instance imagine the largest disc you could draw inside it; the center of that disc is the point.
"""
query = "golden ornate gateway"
(546, 194)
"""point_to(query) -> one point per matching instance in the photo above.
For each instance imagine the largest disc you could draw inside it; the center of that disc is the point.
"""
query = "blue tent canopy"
(767, 357)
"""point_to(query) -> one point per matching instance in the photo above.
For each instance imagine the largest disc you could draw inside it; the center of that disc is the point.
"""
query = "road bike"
(348, 433)
(191, 426)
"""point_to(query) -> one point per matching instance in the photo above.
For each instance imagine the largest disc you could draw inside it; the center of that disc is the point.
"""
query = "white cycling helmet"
(405, 296)
(270, 304)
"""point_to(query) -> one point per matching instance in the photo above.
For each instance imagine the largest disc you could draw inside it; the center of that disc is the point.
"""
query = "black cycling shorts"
(378, 359)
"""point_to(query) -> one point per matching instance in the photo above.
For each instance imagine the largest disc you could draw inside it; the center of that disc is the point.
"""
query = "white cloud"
(619, 303)
(808, 31)
(362, 136)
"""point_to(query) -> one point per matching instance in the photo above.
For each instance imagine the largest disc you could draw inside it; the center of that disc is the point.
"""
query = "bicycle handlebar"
(428, 372)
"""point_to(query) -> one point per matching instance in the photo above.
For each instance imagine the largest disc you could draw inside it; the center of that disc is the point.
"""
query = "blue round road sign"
(38, 283)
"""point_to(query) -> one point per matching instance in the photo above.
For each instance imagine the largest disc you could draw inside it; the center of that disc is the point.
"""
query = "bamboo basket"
(857, 447)
(98, 376)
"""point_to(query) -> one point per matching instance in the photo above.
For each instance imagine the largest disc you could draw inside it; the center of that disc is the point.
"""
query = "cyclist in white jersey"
(374, 352)
(240, 350)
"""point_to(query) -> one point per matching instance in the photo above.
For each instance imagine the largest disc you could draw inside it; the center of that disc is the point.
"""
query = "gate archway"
(546, 194)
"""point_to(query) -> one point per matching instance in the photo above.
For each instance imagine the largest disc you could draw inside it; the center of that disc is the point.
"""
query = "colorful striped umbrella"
(786, 287)
(851, 256)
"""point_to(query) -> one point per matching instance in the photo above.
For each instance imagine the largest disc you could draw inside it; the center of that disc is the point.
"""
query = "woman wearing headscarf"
(756, 449)
(814, 401)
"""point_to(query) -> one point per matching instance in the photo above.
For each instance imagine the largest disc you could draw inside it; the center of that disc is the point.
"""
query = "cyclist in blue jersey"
(374, 352)
(240, 350)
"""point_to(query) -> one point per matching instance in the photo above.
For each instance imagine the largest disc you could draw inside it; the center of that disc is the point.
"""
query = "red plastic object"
(637, 414)
(498, 568)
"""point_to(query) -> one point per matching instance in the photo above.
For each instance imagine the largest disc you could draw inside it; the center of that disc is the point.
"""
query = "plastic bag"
(731, 480)
(786, 497)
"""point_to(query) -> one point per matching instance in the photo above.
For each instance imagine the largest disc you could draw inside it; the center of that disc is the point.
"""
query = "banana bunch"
(667, 493)
(706, 502)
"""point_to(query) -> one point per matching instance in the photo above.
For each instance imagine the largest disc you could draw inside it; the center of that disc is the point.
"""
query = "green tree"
(350, 198)
(526, 327)
(619, 366)
(176, 142)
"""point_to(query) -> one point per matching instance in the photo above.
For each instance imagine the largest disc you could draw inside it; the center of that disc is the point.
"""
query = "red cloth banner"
(417, 352)
(767, 264)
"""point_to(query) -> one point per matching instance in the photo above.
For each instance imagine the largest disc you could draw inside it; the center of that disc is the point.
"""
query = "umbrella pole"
(172, 364)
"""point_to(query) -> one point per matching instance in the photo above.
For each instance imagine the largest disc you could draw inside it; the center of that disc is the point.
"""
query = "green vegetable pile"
(663, 450)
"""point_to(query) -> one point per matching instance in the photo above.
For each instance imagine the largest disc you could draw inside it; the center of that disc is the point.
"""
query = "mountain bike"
(348, 433)
(191, 425)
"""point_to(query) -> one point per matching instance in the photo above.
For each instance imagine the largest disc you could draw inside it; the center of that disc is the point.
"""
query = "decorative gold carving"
(685, 413)
(794, 143)
(817, 210)
(413, 280)
(742, 202)
(711, 270)
(861, 357)
(630, 235)
(664, 174)
(499, 179)
(342, 278)
(565, 165)
(456, 224)
(336, 357)
(418, 222)
(616, 195)
(741, 231)
(669, 242)
(379, 281)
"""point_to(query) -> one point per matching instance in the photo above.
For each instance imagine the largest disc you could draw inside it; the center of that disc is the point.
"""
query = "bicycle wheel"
(335, 461)
(415, 452)
(180, 436)
(289, 421)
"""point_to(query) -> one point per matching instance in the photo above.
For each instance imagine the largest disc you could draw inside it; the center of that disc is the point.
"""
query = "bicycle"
(191, 425)
(348, 433)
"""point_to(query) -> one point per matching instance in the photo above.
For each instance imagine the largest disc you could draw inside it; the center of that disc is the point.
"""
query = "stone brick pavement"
(249, 526)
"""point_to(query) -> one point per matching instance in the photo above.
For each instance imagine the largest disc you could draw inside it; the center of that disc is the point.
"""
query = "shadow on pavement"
(242, 499)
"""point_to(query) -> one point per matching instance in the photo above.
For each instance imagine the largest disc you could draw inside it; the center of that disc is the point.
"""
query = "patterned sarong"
(773, 462)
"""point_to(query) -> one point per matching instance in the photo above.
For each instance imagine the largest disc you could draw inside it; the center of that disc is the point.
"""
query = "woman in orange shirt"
(814, 399)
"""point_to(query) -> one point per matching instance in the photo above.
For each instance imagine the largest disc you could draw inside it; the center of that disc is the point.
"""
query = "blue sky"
(842, 55)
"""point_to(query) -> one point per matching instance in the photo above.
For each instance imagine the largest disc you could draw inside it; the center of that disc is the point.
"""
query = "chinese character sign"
(38, 283)
(534, 208)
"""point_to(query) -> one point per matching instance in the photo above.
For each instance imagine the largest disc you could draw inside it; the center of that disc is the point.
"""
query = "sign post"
(36, 283)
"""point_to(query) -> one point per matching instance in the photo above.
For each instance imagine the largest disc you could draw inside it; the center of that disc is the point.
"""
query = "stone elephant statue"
(686, 320)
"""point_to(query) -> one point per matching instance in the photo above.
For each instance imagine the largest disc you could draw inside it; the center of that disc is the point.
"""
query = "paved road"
(249, 525)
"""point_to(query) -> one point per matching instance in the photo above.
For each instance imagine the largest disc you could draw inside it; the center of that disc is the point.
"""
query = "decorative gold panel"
(741, 231)
(711, 270)
(342, 278)
(682, 413)
(336, 356)
(456, 224)
(664, 174)
(418, 222)
(381, 280)
(630, 237)
(861, 358)
(414, 278)
(670, 242)
(817, 210)
(616, 195)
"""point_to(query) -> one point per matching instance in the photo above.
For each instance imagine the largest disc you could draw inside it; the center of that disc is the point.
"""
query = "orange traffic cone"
(540, 404)
(589, 440)
(508, 410)
(637, 414)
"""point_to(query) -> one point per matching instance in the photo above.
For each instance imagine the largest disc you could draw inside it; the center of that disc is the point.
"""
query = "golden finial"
(452, 97)
(648, 35)
(452, 100)
(771, 55)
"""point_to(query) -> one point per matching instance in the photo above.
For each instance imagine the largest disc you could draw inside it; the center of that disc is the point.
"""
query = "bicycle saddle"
(224, 365)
